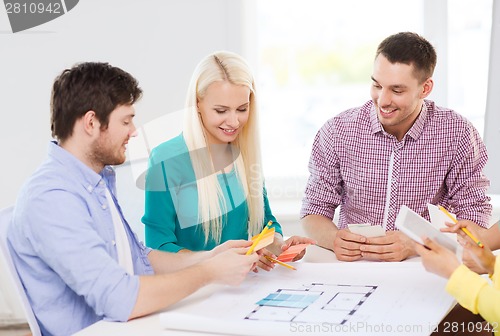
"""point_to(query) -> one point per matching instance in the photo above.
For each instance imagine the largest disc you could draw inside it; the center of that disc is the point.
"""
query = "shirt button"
(101, 183)
(113, 242)
(104, 206)
(89, 188)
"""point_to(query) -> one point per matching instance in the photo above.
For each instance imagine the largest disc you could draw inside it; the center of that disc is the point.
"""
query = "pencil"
(280, 263)
(467, 232)
(259, 237)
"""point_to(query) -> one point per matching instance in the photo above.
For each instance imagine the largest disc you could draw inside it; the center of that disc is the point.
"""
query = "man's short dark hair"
(88, 86)
(412, 49)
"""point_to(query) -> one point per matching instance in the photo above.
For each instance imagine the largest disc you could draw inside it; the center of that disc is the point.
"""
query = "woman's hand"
(437, 259)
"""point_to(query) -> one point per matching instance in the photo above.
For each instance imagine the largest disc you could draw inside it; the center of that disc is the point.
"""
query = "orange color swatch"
(267, 239)
(291, 252)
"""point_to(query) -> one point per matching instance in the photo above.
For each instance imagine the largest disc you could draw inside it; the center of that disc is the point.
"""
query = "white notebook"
(416, 227)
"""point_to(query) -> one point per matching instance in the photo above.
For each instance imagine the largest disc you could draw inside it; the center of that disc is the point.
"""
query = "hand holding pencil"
(480, 258)
(258, 242)
(442, 261)
(463, 228)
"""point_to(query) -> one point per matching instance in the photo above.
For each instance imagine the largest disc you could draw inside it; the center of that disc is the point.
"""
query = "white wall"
(159, 42)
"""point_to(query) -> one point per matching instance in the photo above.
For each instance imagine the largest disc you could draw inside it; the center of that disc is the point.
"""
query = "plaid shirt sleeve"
(323, 191)
(465, 180)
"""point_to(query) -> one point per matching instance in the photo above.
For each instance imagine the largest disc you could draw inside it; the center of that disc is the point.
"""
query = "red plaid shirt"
(356, 164)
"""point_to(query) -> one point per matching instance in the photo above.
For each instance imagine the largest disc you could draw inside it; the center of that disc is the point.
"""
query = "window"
(468, 57)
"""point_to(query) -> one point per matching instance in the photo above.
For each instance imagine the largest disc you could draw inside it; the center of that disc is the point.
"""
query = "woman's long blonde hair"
(224, 66)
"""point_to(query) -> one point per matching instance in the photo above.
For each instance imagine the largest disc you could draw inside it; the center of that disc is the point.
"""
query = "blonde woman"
(206, 185)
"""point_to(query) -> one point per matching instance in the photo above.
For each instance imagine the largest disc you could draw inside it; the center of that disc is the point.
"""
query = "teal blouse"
(171, 209)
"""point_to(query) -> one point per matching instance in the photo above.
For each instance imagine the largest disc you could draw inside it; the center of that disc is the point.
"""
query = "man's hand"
(394, 246)
(346, 245)
(229, 245)
(231, 266)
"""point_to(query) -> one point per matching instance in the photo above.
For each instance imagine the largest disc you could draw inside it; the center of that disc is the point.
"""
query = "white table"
(150, 325)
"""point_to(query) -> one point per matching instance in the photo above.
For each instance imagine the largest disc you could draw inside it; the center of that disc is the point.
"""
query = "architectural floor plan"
(315, 302)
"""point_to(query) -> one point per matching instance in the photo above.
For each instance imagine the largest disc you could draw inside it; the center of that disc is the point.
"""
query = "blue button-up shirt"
(63, 244)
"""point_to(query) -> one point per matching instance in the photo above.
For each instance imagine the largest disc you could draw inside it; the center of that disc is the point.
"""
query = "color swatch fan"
(267, 239)
(290, 253)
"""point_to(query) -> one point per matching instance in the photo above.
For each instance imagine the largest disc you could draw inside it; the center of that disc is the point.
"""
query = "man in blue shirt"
(75, 253)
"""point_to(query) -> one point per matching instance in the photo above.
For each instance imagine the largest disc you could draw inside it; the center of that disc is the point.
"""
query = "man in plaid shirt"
(397, 149)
